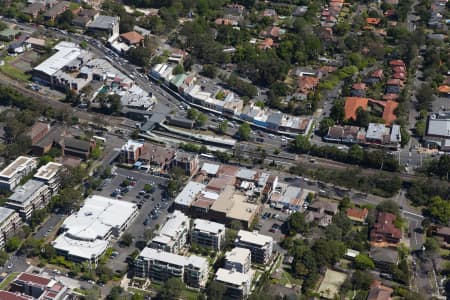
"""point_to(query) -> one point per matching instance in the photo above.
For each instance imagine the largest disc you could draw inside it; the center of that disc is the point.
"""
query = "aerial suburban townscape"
(224, 149)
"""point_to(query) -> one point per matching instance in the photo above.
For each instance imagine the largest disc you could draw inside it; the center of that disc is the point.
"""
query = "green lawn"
(8, 280)
(14, 73)
(186, 294)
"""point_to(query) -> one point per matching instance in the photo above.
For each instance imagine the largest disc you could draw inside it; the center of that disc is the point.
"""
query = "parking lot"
(137, 228)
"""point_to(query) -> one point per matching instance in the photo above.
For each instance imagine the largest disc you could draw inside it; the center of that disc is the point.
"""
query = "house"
(37, 44)
(9, 34)
(358, 89)
(346, 134)
(397, 63)
(78, 148)
(356, 214)
(132, 38)
(34, 9)
(269, 13)
(384, 258)
(56, 10)
(379, 292)
(352, 104)
(373, 21)
(375, 77)
(306, 84)
(384, 229)
(107, 26)
(226, 22)
(84, 17)
(38, 131)
(321, 212)
(442, 232)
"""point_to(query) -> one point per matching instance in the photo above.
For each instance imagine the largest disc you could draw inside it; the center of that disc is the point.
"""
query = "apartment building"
(173, 234)
(238, 285)
(161, 265)
(186, 161)
(260, 245)
(208, 234)
(50, 174)
(9, 222)
(238, 259)
(39, 287)
(11, 175)
(29, 197)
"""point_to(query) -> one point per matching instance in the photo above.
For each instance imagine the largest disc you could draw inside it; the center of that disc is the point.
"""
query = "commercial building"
(238, 285)
(289, 197)
(260, 245)
(383, 135)
(87, 232)
(208, 234)
(439, 125)
(173, 234)
(11, 176)
(29, 197)
(50, 174)
(107, 26)
(131, 151)
(39, 287)
(238, 259)
(9, 222)
(160, 266)
(38, 131)
(187, 162)
(189, 193)
(77, 148)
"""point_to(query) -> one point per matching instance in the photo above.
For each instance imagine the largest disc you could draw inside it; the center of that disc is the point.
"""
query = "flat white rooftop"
(17, 165)
(237, 254)
(174, 224)
(48, 171)
(254, 238)
(188, 194)
(234, 277)
(175, 259)
(97, 217)
(208, 226)
(210, 169)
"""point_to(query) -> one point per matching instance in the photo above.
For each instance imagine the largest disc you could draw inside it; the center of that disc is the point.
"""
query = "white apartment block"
(161, 265)
(11, 175)
(173, 234)
(260, 245)
(29, 197)
(238, 285)
(208, 234)
(50, 174)
(238, 259)
(10, 221)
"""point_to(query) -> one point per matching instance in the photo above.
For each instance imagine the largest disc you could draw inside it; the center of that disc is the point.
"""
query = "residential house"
(78, 148)
(384, 258)
(444, 90)
(384, 230)
(358, 90)
(321, 212)
(442, 232)
(9, 34)
(226, 22)
(36, 44)
(34, 9)
(357, 215)
(56, 10)
(132, 38)
(352, 104)
(107, 26)
(269, 13)
(379, 292)
(306, 84)
(373, 21)
(38, 131)
(84, 17)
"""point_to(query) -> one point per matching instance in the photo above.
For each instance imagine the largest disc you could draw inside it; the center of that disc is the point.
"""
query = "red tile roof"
(132, 37)
(357, 213)
(390, 97)
(33, 279)
(394, 82)
(4, 295)
(385, 227)
(373, 21)
(397, 62)
(377, 73)
(444, 89)
(399, 75)
(359, 86)
(396, 69)
(307, 83)
(379, 291)
(352, 104)
(388, 113)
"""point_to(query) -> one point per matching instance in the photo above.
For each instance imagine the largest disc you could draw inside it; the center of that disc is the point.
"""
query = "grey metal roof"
(5, 213)
(103, 22)
(23, 193)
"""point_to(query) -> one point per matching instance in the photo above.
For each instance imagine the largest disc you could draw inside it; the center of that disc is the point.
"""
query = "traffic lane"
(48, 226)
(15, 264)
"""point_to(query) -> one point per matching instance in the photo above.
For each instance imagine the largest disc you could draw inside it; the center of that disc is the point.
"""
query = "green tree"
(439, 209)
(3, 257)
(201, 119)
(223, 126)
(325, 124)
(171, 289)
(148, 188)
(209, 71)
(244, 131)
(361, 280)
(297, 223)
(127, 239)
(388, 206)
(301, 144)
(179, 69)
(115, 293)
(236, 225)
(364, 262)
(355, 154)
(215, 290)
(192, 114)
(12, 244)
(431, 245)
